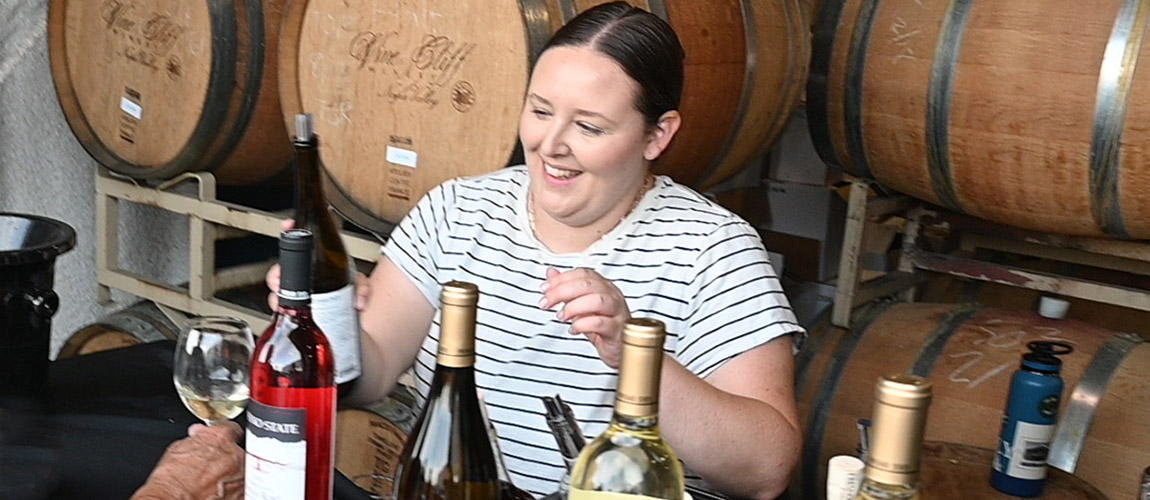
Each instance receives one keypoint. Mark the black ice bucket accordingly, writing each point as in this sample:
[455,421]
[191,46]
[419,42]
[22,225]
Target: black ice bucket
[29,245]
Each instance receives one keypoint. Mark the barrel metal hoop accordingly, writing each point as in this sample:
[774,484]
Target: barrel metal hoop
[855,80]
[659,8]
[940,98]
[537,21]
[940,337]
[567,10]
[221,86]
[1115,80]
[812,346]
[1074,424]
[818,89]
[252,83]
[820,413]
[797,24]
[751,41]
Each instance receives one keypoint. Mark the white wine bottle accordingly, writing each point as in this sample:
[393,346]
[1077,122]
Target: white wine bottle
[448,456]
[631,459]
[898,424]
[333,286]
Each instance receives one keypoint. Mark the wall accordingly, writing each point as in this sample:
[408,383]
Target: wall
[44,171]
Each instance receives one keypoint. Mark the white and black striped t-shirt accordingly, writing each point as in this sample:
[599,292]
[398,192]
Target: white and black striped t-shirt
[677,257]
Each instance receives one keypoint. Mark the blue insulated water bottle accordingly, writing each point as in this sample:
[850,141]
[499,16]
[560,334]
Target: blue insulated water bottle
[1028,425]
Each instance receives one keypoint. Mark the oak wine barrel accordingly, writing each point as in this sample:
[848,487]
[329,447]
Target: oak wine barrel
[952,471]
[136,324]
[369,440]
[153,89]
[969,352]
[1025,113]
[409,94]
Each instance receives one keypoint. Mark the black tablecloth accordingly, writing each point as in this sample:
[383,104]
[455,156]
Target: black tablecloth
[97,434]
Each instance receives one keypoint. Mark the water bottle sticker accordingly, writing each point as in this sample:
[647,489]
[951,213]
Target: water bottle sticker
[1028,451]
[336,316]
[275,467]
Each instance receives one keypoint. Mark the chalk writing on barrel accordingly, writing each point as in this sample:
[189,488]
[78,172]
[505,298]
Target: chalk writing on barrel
[999,336]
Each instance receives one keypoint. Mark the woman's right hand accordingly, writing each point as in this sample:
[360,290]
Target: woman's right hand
[362,284]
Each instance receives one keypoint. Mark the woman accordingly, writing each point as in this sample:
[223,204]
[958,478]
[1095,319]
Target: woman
[567,247]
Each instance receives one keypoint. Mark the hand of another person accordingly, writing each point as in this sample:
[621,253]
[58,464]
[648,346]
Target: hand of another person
[362,284]
[208,464]
[595,307]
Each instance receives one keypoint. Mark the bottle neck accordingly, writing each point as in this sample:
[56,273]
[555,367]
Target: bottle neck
[897,431]
[637,396]
[457,337]
[874,490]
[309,197]
[633,423]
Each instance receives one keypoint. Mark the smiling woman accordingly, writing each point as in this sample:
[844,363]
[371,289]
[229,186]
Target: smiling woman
[410,94]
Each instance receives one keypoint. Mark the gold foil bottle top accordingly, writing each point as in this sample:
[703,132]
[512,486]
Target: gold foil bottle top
[644,332]
[640,368]
[457,326]
[459,293]
[899,423]
[904,390]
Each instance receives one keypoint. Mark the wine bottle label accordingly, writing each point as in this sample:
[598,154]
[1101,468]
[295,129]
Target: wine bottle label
[581,494]
[276,446]
[335,314]
[1024,457]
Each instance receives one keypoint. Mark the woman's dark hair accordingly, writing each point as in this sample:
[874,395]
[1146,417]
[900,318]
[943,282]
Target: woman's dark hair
[644,45]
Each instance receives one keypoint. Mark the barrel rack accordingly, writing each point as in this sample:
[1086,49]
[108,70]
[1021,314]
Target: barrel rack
[865,212]
[210,220]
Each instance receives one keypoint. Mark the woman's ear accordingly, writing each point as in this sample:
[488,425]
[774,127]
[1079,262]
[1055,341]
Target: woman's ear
[660,136]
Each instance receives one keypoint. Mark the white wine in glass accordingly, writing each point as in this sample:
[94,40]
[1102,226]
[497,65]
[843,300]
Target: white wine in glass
[212,367]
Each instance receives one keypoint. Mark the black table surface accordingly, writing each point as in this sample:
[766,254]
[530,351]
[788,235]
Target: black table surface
[100,430]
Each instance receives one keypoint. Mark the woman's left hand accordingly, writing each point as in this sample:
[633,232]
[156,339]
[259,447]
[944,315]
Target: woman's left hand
[595,307]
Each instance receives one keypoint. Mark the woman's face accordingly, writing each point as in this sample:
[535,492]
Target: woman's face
[587,147]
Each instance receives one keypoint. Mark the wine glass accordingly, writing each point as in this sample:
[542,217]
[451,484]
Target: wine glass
[212,367]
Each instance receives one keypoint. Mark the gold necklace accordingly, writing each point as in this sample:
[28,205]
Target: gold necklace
[648,183]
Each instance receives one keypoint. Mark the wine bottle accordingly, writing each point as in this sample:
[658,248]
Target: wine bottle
[507,488]
[631,458]
[449,454]
[898,425]
[291,416]
[333,275]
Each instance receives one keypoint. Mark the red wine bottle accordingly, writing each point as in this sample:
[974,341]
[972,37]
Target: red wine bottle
[333,275]
[448,456]
[290,441]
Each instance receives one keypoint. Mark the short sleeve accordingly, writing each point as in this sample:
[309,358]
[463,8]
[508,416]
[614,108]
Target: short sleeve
[413,244]
[738,301]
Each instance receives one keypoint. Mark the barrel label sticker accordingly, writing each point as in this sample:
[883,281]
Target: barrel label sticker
[132,113]
[400,156]
[134,110]
[422,70]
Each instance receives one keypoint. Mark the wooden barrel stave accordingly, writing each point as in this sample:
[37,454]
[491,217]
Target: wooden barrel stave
[136,324]
[733,109]
[153,90]
[974,351]
[941,101]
